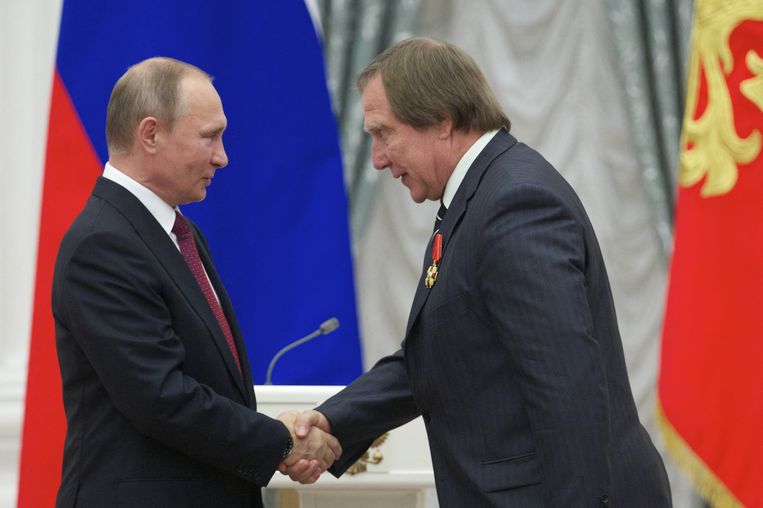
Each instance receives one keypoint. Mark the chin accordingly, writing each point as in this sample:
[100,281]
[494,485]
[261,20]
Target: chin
[199,197]
[417,198]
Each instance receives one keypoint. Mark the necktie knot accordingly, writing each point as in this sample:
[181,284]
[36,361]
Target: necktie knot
[442,211]
[440,215]
[181,228]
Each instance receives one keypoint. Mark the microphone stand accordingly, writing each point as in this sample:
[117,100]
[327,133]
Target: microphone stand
[326,327]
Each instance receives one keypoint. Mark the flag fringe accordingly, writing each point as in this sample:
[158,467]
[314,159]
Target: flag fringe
[706,483]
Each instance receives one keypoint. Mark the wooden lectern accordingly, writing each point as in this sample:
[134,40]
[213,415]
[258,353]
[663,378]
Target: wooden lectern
[395,474]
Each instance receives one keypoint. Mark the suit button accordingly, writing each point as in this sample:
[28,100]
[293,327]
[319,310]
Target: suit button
[604,500]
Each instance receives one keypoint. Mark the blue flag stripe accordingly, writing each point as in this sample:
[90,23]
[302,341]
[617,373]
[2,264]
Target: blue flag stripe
[276,217]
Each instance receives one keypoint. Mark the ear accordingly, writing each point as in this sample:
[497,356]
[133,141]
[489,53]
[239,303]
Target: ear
[148,134]
[445,128]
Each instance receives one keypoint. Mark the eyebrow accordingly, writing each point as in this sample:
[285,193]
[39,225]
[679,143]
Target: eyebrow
[213,131]
[374,127]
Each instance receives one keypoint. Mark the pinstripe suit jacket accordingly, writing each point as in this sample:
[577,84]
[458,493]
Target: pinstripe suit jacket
[514,357]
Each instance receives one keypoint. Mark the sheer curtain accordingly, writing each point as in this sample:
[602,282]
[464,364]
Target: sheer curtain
[651,41]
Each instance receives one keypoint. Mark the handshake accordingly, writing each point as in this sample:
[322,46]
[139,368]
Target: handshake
[314,450]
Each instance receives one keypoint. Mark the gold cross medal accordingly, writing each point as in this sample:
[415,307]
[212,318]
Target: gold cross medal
[431,277]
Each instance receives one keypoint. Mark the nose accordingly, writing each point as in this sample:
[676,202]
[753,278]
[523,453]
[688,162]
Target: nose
[219,157]
[379,155]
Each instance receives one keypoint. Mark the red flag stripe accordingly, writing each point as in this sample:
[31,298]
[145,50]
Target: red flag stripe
[71,168]
[711,376]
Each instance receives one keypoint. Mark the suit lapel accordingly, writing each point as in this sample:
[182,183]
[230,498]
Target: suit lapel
[227,306]
[422,292]
[168,255]
[501,142]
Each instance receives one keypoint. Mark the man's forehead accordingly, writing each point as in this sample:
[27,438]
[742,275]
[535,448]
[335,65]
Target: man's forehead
[373,114]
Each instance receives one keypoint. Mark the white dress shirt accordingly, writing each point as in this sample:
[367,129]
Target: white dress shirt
[161,211]
[454,182]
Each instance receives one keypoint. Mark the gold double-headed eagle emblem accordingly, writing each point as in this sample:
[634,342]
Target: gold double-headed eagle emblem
[710,146]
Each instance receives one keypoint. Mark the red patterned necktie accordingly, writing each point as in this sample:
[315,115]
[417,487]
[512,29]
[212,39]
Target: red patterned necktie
[187,243]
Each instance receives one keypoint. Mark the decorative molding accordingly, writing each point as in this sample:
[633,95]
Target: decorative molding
[369,457]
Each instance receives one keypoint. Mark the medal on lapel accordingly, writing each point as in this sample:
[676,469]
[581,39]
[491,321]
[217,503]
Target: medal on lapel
[431,277]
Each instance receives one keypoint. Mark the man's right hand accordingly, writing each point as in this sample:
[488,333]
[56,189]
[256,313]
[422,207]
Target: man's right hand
[314,450]
[306,420]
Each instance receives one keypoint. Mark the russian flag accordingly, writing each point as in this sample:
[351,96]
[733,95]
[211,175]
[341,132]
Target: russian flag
[275,218]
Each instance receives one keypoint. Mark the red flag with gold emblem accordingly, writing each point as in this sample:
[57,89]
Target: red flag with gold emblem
[711,378]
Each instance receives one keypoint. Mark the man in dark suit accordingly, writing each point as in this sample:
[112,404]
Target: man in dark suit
[512,353]
[157,387]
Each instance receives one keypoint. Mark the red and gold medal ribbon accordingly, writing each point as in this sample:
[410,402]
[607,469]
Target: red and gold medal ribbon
[431,277]
[437,248]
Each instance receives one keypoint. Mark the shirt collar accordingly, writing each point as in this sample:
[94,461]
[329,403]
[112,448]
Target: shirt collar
[161,211]
[454,182]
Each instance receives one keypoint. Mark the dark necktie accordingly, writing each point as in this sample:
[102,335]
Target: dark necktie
[187,243]
[440,215]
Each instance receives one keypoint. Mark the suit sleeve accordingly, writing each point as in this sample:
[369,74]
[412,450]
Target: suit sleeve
[532,278]
[378,401]
[112,302]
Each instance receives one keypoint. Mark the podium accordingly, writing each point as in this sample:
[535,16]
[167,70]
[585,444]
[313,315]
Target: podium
[397,473]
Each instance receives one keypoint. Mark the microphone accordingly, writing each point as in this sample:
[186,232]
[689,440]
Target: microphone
[327,326]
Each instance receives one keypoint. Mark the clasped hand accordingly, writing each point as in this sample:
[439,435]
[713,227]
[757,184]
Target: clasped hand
[315,449]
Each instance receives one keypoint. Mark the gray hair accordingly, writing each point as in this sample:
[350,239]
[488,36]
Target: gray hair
[427,81]
[149,88]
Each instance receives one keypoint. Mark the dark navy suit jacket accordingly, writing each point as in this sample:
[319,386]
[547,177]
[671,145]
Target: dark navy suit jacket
[157,412]
[513,358]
